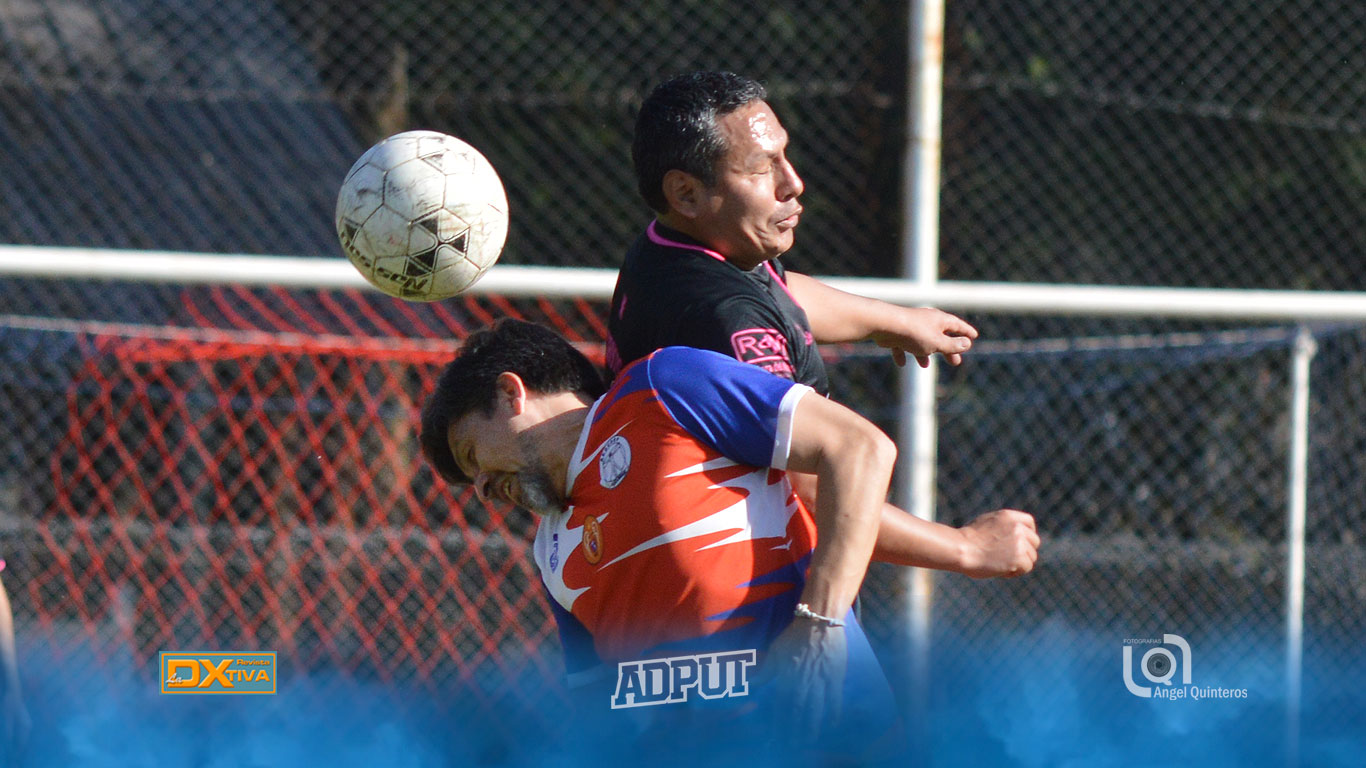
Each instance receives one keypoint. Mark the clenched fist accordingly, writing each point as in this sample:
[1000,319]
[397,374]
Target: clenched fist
[1001,543]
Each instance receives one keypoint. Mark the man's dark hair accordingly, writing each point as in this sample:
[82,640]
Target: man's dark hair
[546,363]
[676,128]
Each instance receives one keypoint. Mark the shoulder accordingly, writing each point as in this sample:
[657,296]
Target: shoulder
[678,362]
[667,366]
[742,411]
[694,377]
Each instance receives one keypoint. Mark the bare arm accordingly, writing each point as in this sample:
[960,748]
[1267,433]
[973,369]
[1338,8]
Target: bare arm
[852,461]
[1001,543]
[837,316]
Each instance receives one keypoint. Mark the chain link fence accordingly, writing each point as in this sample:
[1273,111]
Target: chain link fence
[194,485]
[1214,144]
[1149,143]
[232,467]
[138,109]
[1158,465]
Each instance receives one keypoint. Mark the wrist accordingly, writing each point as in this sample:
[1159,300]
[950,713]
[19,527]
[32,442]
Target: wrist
[803,611]
[970,556]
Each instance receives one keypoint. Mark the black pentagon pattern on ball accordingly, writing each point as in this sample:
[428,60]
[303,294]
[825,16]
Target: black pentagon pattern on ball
[461,242]
[457,237]
[348,234]
[421,263]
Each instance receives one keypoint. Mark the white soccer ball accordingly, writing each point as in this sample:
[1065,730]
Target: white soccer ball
[422,215]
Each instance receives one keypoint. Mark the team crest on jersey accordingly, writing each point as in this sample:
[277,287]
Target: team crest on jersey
[614,461]
[764,347]
[592,540]
[757,346]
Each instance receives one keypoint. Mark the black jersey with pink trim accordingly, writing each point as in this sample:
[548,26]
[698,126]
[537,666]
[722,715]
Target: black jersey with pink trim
[674,291]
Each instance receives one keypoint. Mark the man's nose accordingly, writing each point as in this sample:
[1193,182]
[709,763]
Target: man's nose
[790,185]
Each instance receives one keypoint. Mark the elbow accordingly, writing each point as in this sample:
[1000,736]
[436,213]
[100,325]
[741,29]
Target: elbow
[884,452]
[874,450]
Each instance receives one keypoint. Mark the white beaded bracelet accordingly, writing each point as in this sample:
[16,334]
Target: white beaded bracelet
[804,612]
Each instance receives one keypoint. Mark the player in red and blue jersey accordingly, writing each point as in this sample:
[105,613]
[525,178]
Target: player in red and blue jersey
[669,529]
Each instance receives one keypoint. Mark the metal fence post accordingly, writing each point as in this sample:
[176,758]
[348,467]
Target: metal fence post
[1298,474]
[920,253]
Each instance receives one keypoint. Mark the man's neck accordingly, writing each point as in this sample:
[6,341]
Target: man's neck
[684,226]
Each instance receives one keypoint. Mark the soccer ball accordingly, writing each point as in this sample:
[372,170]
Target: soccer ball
[422,215]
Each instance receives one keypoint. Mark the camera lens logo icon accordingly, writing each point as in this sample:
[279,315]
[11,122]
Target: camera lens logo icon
[1158,665]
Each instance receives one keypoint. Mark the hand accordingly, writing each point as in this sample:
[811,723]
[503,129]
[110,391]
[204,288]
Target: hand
[922,332]
[1000,543]
[806,663]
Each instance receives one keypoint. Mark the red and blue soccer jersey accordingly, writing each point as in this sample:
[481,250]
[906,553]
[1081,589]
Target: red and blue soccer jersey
[682,534]
[682,531]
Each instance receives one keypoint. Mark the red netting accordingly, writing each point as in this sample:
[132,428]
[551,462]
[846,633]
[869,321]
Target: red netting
[263,489]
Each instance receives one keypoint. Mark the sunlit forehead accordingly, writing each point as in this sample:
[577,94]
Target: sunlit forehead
[768,136]
[755,137]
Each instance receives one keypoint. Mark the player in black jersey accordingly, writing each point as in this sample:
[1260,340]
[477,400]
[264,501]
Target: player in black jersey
[710,160]
[675,291]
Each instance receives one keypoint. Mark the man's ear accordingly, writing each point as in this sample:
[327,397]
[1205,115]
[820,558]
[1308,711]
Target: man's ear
[684,192]
[508,389]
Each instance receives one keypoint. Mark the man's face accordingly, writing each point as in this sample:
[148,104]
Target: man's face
[503,462]
[750,213]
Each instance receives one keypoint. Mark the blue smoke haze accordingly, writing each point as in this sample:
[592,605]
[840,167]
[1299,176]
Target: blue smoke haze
[1053,697]
[1056,697]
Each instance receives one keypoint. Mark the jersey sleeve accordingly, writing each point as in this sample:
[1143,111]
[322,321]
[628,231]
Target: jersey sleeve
[743,328]
[739,410]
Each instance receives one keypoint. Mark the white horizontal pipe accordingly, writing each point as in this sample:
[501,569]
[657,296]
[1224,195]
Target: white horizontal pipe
[561,282]
[289,271]
[1116,301]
